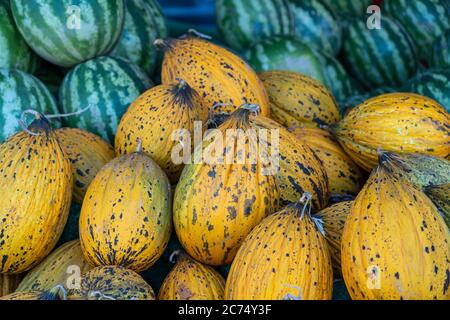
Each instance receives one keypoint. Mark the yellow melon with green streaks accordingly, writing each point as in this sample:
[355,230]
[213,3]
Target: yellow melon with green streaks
[284,257]
[398,122]
[126,215]
[300,168]
[217,74]
[333,218]
[36,186]
[60,267]
[155,117]
[296,99]
[344,176]
[87,153]
[440,195]
[421,170]
[192,280]
[112,283]
[395,245]
[220,198]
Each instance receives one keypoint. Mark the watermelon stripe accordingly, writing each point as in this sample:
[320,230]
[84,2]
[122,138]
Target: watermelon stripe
[14,52]
[43,24]
[379,57]
[348,8]
[434,83]
[144,23]
[20,91]
[424,20]
[243,23]
[440,57]
[316,25]
[109,85]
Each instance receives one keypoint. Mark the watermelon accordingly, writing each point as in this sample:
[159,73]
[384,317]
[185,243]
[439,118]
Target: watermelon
[316,25]
[52,76]
[341,84]
[243,23]
[108,85]
[348,8]
[289,53]
[440,55]
[67,32]
[424,20]
[14,51]
[144,23]
[286,53]
[379,57]
[20,91]
[433,83]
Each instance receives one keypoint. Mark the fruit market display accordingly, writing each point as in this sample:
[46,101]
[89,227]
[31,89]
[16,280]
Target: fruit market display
[302,154]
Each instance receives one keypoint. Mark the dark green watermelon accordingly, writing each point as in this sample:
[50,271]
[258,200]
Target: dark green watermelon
[348,8]
[108,85]
[351,102]
[14,52]
[424,20]
[144,23]
[316,25]
[286,53]
[243,23]
[20,91]
[289,53]
[433,83]
[440,55]
[67,32]
[379,57]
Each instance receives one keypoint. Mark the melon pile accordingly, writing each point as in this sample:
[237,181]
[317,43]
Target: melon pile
[290,156]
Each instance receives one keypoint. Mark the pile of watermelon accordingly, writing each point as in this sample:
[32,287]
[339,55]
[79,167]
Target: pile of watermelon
[98,56]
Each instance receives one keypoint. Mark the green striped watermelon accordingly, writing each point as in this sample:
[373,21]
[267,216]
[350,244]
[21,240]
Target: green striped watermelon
[106,84]
[424,20]
[14,52]
[317,26]
[144,23]
[433,83]
[289,53]
[243,23]
[379,57]
[341,84]
[440,55]
[349,8]
[52,30]
[20,91]
[286,53]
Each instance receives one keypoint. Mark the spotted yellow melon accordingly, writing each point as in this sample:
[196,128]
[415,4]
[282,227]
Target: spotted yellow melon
[398,122]
[36,186]
[155,117]
[284,257]
[87,153]
[192,280]
[395,245]
[126,216]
